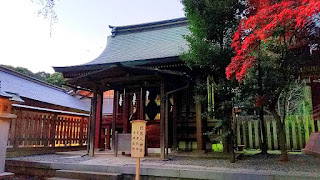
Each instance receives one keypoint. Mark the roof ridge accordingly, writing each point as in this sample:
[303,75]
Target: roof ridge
[26,77]
[117,30]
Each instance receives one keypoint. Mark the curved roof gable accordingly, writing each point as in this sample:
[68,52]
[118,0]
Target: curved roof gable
[144,41]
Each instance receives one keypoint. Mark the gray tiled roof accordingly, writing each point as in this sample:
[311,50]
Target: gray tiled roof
[31,88]
[144,41]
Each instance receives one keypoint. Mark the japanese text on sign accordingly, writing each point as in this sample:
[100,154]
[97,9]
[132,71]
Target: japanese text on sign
[138,136]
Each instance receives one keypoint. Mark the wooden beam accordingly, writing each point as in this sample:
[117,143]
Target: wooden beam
[114,119]
[130,79]
[92,124]
[162,120]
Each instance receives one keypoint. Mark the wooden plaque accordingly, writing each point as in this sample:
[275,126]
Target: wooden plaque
[138,138]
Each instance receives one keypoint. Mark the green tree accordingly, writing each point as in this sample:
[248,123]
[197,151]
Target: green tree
[55,79]
[212,23]
[21,70]
[280,37]
[42,75]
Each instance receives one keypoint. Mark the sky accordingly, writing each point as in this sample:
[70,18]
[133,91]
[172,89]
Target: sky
[79,35]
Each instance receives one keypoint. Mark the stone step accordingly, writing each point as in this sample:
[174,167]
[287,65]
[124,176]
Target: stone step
[6,175]
[88,175]
[59,178]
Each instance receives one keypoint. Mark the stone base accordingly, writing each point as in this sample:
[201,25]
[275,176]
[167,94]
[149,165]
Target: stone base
[6,175]
[313,145]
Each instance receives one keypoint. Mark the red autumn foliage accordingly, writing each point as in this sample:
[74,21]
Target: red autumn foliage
[264,18]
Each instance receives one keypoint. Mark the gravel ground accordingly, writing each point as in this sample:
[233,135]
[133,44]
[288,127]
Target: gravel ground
[301,163]
[25,177]
[53,158]
[297,163]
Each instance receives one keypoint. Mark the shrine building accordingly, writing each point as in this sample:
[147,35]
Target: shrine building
[141,64]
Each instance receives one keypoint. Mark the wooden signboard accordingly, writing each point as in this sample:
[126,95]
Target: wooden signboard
[138,140]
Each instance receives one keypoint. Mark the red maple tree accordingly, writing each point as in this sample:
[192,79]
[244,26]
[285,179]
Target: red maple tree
[265,17]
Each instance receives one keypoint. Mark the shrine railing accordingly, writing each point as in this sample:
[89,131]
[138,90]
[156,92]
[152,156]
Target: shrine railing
[297,129]
[39,127]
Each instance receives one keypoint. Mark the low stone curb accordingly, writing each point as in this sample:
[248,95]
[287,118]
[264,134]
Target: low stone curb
[174,172]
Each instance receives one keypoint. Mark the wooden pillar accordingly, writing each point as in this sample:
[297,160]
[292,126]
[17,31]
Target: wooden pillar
[114,119]
[315,100]
[108,137]
[199,124]
[98,120]
[141,104]
[125,112]
[93,116]
[166,140]
[174,123]
[162,120]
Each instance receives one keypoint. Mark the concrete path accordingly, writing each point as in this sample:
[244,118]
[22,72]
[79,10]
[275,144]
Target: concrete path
[152,168]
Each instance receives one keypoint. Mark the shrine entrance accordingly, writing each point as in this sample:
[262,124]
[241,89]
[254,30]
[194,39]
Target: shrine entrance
[134,105]
[139,93]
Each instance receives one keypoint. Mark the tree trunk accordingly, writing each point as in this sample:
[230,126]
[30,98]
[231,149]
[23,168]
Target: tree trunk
[281,133]
[230,141]
[232,157]
[264,146]
[230,137]
[225,142]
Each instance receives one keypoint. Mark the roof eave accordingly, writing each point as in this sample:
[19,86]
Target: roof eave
[89,67]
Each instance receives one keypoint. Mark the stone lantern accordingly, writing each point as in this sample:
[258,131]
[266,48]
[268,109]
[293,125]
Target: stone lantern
[5,117]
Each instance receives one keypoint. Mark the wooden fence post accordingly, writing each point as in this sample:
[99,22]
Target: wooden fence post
[238,131]
[17,129]
[81,133]
[256,133]
[306,128]
[52,138]
[294,135]
[244,131]
[46,129]
[299,132]
[311,123]
[275,135]
[269,138]
[250,134]
[287,123]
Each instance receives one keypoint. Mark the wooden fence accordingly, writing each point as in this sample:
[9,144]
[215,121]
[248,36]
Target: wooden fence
[38,128]
[298,129]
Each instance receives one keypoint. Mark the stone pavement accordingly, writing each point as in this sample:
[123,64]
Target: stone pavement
[153,167]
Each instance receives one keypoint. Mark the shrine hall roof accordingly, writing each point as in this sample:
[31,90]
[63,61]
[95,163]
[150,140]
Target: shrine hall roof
[31,88]
[148,41]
